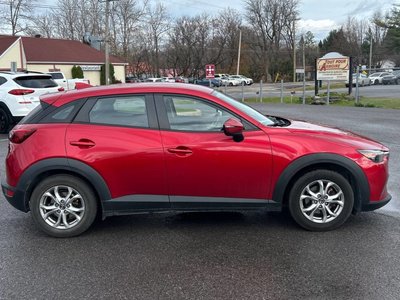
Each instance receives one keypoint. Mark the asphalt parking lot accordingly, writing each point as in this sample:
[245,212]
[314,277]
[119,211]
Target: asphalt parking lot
[216,255]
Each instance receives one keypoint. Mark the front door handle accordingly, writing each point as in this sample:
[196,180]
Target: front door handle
[83,143]
[180,151]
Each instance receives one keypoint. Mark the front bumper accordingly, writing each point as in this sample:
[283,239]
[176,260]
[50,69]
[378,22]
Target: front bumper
[376,204]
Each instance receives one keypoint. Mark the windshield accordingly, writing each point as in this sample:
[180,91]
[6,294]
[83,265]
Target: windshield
[244,108]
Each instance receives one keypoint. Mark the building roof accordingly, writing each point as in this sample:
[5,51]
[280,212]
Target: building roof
[5,42]
[57,51]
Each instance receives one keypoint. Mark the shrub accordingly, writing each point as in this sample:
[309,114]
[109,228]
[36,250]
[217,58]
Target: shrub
[77,72]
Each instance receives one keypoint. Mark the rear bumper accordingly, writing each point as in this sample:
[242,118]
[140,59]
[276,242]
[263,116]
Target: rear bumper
[15,197]
[376,204]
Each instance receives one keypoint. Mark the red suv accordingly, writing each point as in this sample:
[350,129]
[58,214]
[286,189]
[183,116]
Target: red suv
[142,148]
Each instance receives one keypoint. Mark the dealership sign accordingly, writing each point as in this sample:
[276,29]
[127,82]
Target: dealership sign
[333,66]
[91,68]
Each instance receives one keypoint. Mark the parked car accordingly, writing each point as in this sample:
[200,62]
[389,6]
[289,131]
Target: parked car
[376,78]
[206,82]
[181,79]
[390,79]
[67,84]
[19,94]
[243,79]
[193,149]
[363,80]
[154,79]
[132,79]
[168,79]
[227,80]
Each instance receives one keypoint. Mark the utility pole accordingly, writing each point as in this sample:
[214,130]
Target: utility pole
[240,45]
[294,49]
[370,54]
[106,41]
[107,50]
[304,69]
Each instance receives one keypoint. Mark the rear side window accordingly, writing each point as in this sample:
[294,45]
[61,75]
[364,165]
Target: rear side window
[36,114]
[63,114]
[123,111]
[36,82]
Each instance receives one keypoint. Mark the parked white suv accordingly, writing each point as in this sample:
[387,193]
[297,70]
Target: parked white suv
[19,94]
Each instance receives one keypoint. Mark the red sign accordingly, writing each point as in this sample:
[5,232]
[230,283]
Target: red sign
[210,71]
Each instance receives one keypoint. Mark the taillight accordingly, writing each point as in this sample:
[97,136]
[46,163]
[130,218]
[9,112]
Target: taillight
[21,92]
[17,136]
[61,89]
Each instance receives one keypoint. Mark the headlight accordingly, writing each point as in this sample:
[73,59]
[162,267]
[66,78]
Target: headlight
[376,156]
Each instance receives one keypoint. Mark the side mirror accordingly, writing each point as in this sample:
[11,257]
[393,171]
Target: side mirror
[234,128]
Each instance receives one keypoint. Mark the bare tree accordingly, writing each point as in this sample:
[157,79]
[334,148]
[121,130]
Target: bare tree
[272,23]
[158,21]
[225,40]
[43,25]
[17,13]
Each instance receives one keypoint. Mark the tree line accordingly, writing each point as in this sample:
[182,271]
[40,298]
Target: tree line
[145,35]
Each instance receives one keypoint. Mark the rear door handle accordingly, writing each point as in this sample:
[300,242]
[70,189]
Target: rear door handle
[83,143]
[180,151]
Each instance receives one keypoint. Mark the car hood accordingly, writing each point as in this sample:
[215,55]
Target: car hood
[333,134]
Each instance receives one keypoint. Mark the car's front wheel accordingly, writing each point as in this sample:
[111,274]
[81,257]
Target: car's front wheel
[321,200]
[63,206]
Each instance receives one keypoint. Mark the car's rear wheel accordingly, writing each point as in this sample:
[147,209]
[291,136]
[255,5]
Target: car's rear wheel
[63,206]
[321,200]
[376,81]
[5,121]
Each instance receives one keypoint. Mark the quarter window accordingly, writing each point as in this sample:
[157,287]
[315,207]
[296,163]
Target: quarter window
[190,114]
[124,111]
[2,80]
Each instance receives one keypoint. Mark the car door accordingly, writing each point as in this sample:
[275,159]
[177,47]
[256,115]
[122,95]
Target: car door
[118,136]
[205,168]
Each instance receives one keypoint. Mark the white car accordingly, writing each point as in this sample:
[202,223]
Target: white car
[19,94]
[363,80]
[376,78]
[247,81]
[169,79]
[67,84]
[228,80]
[155,80]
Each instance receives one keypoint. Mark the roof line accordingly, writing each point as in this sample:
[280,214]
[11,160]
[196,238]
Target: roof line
[12,45]
[70,62]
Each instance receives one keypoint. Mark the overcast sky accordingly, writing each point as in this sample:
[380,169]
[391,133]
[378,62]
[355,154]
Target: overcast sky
[317,16]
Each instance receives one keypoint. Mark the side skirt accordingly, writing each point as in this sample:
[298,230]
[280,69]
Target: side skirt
[142,204]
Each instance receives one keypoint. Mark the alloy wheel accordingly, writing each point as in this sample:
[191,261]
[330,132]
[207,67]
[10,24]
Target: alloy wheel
[62,207]
[322,201]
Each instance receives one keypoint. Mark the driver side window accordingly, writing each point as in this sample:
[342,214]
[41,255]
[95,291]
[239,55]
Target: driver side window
[188,114]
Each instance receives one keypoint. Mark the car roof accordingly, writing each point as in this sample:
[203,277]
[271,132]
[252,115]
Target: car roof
[21,74]
[126,88]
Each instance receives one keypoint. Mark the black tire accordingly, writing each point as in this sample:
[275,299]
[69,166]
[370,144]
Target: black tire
[230,84]
[311,180]
[376,82]
[87,201]
[5,121]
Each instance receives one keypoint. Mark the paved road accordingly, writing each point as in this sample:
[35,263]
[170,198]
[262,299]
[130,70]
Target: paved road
[215,255]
